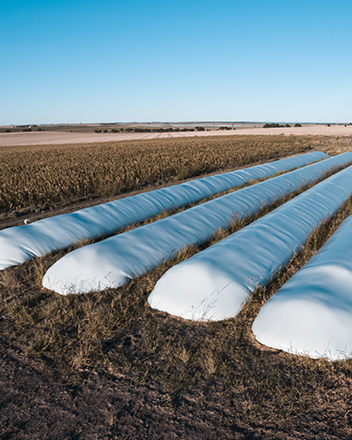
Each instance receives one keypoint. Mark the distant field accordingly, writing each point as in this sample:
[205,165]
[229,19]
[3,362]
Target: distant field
[86,133]
[106,365]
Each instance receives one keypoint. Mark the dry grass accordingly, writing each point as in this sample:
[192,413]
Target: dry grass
[258,391]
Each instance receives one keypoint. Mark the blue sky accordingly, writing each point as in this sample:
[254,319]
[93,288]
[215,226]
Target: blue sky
[195,60]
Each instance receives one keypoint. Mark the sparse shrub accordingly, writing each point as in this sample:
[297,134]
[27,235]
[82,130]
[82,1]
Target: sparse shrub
[298,125]
[97,131]
[142,130]
[273,126]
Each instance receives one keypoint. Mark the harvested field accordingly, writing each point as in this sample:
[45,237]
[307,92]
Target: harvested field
[63,137]
[105,365]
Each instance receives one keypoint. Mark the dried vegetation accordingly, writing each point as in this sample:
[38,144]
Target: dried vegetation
[36,177]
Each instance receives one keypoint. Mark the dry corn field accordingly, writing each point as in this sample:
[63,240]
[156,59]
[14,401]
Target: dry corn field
[107,366]
[35,176]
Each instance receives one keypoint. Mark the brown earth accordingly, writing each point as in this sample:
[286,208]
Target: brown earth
[52,137]
[102,404]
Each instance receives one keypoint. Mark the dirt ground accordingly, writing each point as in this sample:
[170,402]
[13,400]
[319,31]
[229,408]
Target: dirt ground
[102,404]
[52,137]
[97,405]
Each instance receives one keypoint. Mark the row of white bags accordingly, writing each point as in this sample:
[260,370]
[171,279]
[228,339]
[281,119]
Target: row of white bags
[20,244]
[116,260]
[217,282]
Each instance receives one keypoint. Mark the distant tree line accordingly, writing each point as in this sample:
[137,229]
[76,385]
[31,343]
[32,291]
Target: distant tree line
[156,130]
[24,128]
[279,125]
[147,130]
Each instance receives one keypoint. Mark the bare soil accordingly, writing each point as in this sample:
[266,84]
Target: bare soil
[97,404]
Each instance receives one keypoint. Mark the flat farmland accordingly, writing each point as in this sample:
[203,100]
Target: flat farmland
[85,134]
[106,365]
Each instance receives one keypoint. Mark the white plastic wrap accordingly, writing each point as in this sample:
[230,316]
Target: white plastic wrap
[22,243]
[217,282]
[312,313]
[116,260]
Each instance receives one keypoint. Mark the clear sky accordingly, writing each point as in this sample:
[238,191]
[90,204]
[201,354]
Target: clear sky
[166,60]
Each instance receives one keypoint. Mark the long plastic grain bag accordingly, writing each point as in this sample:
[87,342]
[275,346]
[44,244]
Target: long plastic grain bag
[116,260]
[312,313]
[22,243]
[217,282]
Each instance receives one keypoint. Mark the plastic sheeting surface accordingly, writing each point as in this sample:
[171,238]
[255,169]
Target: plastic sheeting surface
[22,243]
[312,313]
[116,260]
[217,282]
